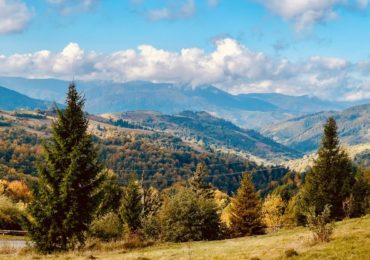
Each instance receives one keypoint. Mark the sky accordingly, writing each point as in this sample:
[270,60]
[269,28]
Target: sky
[296,47]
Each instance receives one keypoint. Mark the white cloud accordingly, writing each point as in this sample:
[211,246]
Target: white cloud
[14,16]
[231,66]
[215,2]
[178,10]
[67,7]
[306,13]
[362,4]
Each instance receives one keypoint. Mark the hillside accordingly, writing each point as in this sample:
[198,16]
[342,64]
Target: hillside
[11,100]
[350,241]
[303,133]
[360,154]
[245,110]
[210,131]
[160,156]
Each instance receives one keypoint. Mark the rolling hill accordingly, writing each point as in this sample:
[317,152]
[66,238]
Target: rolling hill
[304,133]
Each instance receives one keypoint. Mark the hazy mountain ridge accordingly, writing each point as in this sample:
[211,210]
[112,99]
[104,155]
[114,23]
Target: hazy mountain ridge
[245,110]
[304,133]
[11,100]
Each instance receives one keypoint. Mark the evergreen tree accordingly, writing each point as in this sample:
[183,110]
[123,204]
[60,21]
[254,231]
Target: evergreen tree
[131,206]
[330,180]
[65,201]
[245,211]
[197,182]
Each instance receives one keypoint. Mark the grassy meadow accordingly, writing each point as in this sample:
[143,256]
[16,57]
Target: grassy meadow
[351,240]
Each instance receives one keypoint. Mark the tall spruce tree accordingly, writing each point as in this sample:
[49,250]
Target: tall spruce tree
[245,213]
[65,201]
[132,206]
[198,184]
[330,180]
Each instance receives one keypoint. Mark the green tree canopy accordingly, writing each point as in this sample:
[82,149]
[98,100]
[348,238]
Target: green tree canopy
[65,202]
[330,180]
[132,206]
[198,184]
[187,217]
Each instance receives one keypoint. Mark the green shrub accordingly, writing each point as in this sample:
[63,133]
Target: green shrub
[10,214]
[320,224]
[187,217]
[108,227]
[150,227]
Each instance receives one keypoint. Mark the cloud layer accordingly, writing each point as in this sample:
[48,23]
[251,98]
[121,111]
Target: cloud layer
[230,66]
[14,16]
[306,13]
[67,7]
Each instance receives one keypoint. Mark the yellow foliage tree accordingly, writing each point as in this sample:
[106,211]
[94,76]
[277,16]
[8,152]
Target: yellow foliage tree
[19,191]
[273,211]
[3,186]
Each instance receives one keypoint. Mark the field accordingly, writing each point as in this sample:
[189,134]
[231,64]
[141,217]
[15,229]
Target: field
[351,240]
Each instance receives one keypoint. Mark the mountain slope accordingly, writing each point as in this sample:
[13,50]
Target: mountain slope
[11,100]
[210,131]
[304,133]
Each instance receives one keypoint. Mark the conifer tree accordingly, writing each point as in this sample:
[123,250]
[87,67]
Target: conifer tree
[330,180]
[64,204]
[197,182]
[131,206]
[245,211]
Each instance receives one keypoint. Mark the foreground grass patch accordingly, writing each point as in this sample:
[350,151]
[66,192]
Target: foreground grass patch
[351,240]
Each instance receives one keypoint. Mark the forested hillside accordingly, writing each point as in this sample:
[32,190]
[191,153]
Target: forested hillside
[162,158]
[210,131]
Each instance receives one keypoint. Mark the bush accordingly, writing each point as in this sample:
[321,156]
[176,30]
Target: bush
[150,227]
[290,253]
[10,214]
[187,217]
[108,227]
[320,224]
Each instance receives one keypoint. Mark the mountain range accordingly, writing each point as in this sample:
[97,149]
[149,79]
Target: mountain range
[304,133]
[287,139]
[245,110]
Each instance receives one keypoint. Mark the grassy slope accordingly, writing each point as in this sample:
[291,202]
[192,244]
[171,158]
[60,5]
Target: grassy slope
[351,240]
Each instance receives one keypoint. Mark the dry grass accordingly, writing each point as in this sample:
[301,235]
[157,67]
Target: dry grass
[7,249]
[351,240]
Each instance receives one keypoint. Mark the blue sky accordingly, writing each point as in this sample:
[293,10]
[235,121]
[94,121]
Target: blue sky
[326,39]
